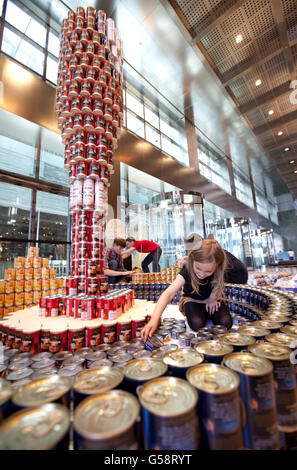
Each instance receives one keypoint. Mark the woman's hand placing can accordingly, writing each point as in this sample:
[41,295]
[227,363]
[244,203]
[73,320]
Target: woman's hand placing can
[149,329]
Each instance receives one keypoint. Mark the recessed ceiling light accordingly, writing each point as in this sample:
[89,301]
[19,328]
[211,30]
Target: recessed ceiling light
[258,82]
[270,112]
[238,38]
[292,161]
[287,149]
[295,171]
[280,133]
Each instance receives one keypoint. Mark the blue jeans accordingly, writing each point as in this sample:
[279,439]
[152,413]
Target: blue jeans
[114,265]
[152,257]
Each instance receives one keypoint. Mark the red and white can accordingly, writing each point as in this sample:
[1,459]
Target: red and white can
[108,128]
[102,155]
[96,250]
[79,137]
[78,73]
[86,104]
[91,138]
[103,282]
[79,49]
[92,335]
[89,194]
[96,38]
[124,331]
[79,152]
[72,172]
[101,77]
[92,286]
[86,87]
[89,122]
[69,306]
[99,307]
[69,125]
[99,124]
[66,108]
[96,63]
[73,62]
[90,23]
[137,325]
[108,332]
[76,339]
[90,50]
[91,74]
[81,285]
[83,250]
[52,307]
[107,111]
[58,340]
[78,306]
[97,90]
[84,36]
[42,307]
[81,169]
[102,140]
[30,340]
[79,23]
[107,94]
[88,311]
[93,170]
[84,234]
[81,268]
[101,52]
[91,152]
[98,108]
[78,121]
[71,287]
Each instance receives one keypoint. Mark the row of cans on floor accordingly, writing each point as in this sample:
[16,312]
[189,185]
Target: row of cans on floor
[74,305]
[246,296]
[107,307]
[178,414]
[58,339]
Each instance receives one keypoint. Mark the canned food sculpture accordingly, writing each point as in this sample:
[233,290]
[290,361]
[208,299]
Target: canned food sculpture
[89,106]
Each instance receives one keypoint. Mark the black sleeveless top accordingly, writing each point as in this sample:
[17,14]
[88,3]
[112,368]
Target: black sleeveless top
[205,286]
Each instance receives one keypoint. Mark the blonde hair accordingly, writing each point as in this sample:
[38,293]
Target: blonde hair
[209,252]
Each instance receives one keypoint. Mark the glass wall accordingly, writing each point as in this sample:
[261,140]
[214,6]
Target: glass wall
[52,159]
[28,216]
[213,165]
[154,119]
[18,144]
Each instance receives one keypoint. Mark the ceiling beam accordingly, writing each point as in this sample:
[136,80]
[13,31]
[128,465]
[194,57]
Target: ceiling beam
[245,67]
[276,123]
[217,21]
[283,143]
[282,30]
[266,98]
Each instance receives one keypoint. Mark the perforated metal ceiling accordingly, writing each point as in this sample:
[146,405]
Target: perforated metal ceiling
[268,51]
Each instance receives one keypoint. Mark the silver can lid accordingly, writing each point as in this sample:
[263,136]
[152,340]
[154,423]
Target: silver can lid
[41,356]
[20,374]
[248,364]
[213,378]
[183,358]
[5,391]
[44,364]
[145,369]
[168,396]
[107,415]
[41,391]
[94,381]
[35,428]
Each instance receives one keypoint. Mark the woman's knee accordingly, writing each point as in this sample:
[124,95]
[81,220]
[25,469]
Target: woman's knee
[195,317]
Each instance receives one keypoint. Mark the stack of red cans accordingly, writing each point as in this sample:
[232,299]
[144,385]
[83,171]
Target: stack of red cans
[89,105]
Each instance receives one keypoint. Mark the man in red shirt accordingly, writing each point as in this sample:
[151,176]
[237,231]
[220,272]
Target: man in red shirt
[144,246]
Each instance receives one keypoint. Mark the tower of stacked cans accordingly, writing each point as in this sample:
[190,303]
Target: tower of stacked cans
[89,108]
